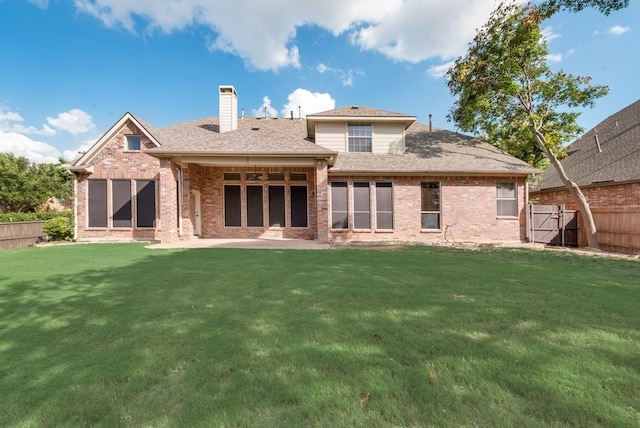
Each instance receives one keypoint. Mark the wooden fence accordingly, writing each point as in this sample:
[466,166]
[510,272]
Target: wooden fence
[20,234]
[618,229]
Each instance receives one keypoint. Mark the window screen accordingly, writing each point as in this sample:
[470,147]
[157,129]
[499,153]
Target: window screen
[276,206]
[430,206]
[232,206]
[254,206]
[361,206]
[506,199]
[339,206]
[97,190]
[121,202]
[299,206]
[384,206]
[145,203]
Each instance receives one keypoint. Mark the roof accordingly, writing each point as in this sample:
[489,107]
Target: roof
[435,152]
[354,113]
[428,151]
[273,136]
[607,154]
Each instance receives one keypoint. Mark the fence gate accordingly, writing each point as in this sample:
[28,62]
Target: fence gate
[552,224]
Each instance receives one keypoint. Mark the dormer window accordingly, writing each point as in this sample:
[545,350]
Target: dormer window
[360,137]
[132,143]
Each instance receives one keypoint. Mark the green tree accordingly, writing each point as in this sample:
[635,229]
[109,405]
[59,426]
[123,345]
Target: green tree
[604,6]
[505,90]
[24,186]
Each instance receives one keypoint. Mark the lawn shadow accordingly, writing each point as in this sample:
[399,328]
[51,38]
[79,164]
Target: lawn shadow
[227,336]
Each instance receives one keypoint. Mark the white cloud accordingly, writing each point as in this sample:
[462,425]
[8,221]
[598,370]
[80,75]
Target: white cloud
[22,145]
[346,76]
[548,34]
[70,155]
[74,121]
[8,123]
[309,103]
[439,70]
[265,109]
[618,30]
[264,33]
[554,57]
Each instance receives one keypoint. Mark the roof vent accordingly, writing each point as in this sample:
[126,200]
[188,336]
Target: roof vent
[354,107]
[255,128]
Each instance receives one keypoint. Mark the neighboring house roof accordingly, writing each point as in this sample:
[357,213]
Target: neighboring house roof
[434,151]
[607,154]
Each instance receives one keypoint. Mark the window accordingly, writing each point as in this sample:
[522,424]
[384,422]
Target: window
[254,206]
[339,206]
[132,143]
[298,206]
[232,206]
[430,206]
[359,137]
[298,176]
[276,206]
[361,206]
[97,195]
[145,203]
[506,199]
[232,176]
[121,202]
[384,206]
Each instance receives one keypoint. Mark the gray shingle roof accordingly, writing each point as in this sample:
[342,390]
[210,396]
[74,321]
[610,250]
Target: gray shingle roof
[617,161]
[357,111]
[435,152]
[254,135]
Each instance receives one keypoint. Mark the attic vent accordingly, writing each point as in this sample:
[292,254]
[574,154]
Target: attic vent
[255,128]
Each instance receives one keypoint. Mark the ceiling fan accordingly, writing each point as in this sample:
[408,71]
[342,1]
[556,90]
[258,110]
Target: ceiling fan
[255,175]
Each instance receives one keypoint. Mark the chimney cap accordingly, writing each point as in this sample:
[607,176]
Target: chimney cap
[227,89]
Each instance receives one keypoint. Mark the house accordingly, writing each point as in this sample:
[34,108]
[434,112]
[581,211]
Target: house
[605,163]
[349,174]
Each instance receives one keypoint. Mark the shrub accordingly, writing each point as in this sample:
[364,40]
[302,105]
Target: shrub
[59,229]
[34,216]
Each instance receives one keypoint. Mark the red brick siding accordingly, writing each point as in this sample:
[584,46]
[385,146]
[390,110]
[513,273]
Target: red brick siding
[622,195]
[468,212]
[113,162]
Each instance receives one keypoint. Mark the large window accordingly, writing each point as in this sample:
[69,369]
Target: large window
[360,137]
[121,202]
[298,206]
[361,206]
[97,194]
[339,205]
[254,206]
[506,199]
[352,202]
[430,206]
[145,203]
[276,206]
[384,206]
[232,206]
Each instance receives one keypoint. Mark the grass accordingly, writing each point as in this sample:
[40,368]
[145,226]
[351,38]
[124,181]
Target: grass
[118,335]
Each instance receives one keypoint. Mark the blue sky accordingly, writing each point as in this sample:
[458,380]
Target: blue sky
[70,69]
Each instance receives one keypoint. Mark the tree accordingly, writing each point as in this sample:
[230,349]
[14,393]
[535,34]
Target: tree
[604,6]
[24,186]
[506,90]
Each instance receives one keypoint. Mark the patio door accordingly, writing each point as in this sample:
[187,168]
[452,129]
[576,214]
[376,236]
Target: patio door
[196,206]
[276,206]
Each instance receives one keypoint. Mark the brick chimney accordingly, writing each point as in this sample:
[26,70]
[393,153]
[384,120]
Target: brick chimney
[228,108]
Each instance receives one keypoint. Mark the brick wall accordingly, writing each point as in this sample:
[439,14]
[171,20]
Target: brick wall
[468,212]
[113,162]
[622,195]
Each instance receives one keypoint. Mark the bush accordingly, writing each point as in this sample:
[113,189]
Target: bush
[35,216]
[59,229]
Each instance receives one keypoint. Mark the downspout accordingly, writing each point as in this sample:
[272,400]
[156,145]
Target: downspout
[180,181]
[75,207]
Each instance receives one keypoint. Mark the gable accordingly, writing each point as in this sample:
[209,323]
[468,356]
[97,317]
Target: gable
[128,120]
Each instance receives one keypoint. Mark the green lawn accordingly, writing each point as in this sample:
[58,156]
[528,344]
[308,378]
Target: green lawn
[119,335]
